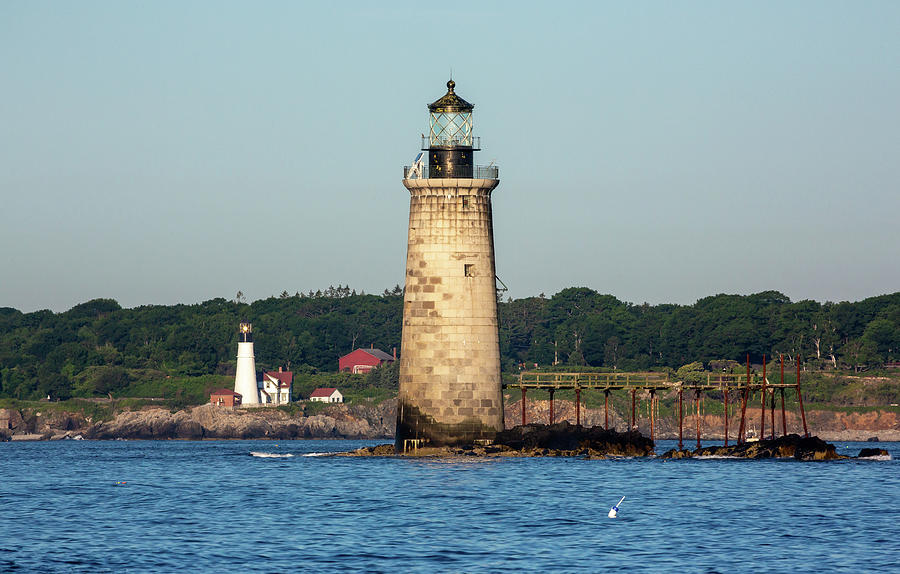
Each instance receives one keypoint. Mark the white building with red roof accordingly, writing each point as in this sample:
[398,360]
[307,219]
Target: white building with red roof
[326,395]
[275,387]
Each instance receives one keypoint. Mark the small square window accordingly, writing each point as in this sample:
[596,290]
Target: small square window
[470,269]
[465,201]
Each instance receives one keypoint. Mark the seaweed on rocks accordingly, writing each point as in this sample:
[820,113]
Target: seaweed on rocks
[789,446]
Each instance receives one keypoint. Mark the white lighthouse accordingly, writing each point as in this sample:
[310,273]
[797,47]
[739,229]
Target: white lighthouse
[245,377]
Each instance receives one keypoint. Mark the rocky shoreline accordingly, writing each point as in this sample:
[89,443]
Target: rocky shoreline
[206,422]
[565,440]
[373,421]
[537,440]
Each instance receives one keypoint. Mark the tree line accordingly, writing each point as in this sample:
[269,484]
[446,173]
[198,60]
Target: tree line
[98,347]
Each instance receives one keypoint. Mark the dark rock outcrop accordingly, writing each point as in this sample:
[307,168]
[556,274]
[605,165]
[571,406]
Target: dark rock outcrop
[790,446]
[567,438]
[873,453]
[561,439]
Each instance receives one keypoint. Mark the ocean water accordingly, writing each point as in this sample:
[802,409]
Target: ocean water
[209,506]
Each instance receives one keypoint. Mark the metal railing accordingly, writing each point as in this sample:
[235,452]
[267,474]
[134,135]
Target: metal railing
[478,172]
[472,141]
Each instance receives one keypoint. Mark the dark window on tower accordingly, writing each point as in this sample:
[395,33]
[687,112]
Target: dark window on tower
[470,270]
[465,201]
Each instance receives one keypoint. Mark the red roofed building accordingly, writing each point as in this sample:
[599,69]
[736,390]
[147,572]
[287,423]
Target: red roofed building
[364,360]
[225,398]
[276,387]
[326,395]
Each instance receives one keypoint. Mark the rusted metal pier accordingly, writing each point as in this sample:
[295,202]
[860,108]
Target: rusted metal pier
[742,384]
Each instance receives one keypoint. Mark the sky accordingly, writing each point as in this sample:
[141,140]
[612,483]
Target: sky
[176,151]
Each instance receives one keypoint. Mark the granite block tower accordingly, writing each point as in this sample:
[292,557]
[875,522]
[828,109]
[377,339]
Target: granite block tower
[450,391]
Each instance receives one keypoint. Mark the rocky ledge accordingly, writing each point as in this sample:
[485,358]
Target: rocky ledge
[561,439]
[790,446]
[209,422]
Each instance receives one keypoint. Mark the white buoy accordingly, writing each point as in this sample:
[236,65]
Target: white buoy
[614,511]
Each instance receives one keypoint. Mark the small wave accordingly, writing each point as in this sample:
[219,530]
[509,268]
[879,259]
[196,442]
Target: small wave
[877,457]
[318,454]
[717,457]
[270,454]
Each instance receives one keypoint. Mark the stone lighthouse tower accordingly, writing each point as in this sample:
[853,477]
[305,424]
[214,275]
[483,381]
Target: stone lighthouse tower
[245,374]
[450,389]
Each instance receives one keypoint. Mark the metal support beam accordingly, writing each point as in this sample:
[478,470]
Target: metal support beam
[783,417]
[523,406]
[773,414]
[578,407]
[551,405]
[606,410]
[800,399]
[762,403]
[697,393]
[726,416]
[633,426]
[744,397]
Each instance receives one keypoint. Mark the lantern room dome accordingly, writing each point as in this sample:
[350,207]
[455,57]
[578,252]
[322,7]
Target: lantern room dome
[450,102]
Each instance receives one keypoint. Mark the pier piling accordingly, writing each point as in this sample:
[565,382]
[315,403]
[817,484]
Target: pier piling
[578,407]
[551,405]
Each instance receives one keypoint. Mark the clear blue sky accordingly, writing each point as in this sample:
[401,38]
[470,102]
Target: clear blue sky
[173,152]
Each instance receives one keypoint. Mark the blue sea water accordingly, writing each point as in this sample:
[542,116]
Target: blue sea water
[208,506]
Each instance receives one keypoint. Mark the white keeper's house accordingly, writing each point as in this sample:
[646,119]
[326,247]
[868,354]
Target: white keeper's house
[275,387]
[327,395]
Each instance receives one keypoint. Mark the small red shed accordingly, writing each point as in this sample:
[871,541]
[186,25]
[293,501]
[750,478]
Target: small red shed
[225,398]
[364,360]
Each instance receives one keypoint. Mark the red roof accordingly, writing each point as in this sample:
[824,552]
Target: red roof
[378,354]
[324,392]
[366,357]
[224,392]
[284,377]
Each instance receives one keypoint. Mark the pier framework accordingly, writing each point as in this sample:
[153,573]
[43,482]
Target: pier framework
[738,385]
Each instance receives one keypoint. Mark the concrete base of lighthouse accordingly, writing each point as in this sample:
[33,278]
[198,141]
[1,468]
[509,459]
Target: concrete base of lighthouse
[450,389]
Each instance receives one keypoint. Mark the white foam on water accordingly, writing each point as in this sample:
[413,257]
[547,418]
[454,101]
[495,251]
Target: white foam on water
[876,457]
[318,454]
[717,457]
[270,454]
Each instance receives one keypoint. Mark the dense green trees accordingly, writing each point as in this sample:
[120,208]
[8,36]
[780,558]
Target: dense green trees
[98,347]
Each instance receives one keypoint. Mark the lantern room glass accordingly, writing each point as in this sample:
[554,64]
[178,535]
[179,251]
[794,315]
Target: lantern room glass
[451,129]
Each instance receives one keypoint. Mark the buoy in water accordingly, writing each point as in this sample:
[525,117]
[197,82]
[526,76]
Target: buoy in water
[614,511]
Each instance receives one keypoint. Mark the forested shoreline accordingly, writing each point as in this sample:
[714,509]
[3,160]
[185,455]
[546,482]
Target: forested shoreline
[99,348]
